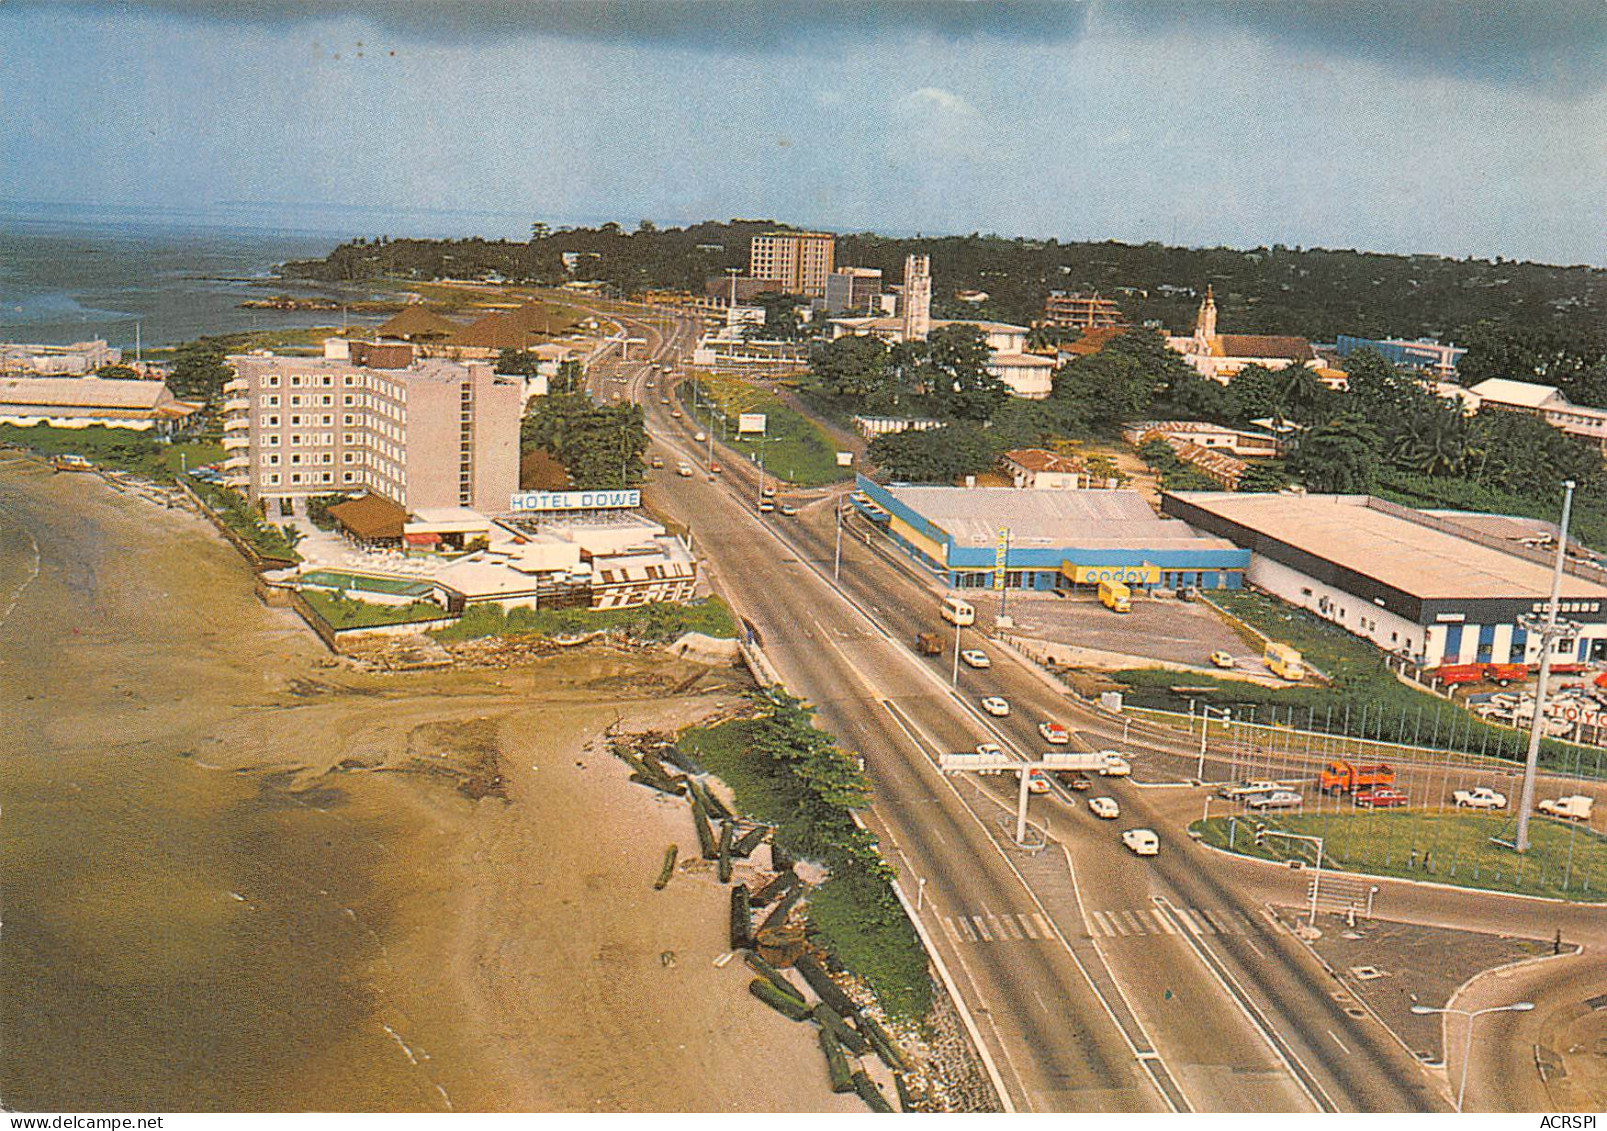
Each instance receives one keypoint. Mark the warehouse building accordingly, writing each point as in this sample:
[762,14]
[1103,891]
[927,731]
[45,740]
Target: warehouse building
[1050,540]
[1436,588]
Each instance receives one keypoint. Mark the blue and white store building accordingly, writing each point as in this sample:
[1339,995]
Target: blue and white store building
[1047,540]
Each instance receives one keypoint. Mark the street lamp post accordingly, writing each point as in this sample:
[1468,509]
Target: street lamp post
[1549,630]
[954,680]
[837,553]
[1316,879]
[1205,730]
[1471,1015]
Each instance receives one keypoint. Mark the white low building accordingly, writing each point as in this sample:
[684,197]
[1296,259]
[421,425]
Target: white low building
[1437,588]
[80,402]
[73,360]
[1546,402]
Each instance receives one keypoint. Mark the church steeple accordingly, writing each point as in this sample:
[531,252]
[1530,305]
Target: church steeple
[1205,321]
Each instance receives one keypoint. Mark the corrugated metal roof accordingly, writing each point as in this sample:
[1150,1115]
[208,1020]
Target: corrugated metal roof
[1086,519]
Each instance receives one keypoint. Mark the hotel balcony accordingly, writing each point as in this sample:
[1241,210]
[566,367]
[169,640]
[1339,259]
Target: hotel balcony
[237,385]
[237,424]
[237,404]
[237,481]
[234,441]
[237,463]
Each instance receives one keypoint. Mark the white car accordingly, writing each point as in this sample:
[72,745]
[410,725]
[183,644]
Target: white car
[1277,799]
[976,658]
[989,749]
[684,471]
[1142,842]
[1113,765]
[1054,734]
[1104,807]
[700,437]
[1481,798]
[996,706]
[1037,783]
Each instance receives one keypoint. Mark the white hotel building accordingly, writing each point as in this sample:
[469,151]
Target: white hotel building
[368,417]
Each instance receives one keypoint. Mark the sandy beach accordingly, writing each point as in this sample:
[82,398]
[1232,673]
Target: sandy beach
[241,874]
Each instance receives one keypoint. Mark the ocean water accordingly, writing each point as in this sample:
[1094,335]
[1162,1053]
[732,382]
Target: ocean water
[68,276]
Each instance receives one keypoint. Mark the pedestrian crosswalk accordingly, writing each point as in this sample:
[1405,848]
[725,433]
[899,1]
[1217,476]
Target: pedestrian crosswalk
[992,927]
[1140,921]
[1137,922]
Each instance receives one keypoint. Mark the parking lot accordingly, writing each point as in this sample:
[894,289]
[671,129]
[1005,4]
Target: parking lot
[1158,628]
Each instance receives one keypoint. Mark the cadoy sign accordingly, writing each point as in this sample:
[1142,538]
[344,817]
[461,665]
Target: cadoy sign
[526,501]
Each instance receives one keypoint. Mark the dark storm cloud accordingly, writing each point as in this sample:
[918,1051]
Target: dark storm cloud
[1556,46]
[719,25]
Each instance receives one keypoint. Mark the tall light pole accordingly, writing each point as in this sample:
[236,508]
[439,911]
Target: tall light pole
[954,680]
[1467,1049]
[1205,730]
[837,553]
[1548,632]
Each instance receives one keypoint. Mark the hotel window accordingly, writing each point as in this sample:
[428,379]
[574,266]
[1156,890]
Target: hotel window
[295,381]
[273,421]
[295,421]
[273,479]
[271,400]
[348,457]
[326,420]
[273,459]
[295,478]
[295,457]
[271,439]
[348,400]
[295,402]
[327,400]
[329,477]
[327,381]
[273,382]
[348,477]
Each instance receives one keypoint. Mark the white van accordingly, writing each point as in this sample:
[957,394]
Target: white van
[958,611]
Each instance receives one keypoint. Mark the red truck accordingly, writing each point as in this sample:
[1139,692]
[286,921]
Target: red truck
[1340,776]
[1499,674]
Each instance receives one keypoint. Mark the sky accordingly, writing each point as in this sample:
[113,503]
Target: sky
[1456,127]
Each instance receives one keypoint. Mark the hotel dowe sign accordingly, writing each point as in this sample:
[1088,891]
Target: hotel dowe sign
[1145,574]
[574,500]
[750,422]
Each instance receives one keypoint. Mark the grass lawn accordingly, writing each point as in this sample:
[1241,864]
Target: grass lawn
[1448,846]
[1359,682]
[118,449]
[246,520]
[795,448]
[656,623]
[849,914]
[349,612]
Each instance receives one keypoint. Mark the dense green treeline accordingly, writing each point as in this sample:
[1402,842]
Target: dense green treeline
[1315,292]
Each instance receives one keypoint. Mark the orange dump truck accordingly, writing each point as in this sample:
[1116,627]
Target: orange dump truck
[1347,777]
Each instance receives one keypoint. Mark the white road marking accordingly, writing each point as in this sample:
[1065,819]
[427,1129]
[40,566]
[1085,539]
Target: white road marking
[1042,1004]
[1215,923]
[1009,926]
[1163,921]
[981,928]
[1099,919]
[1043,925]
[1026,925]
[1338,1042]
[1132,921]
[948,925]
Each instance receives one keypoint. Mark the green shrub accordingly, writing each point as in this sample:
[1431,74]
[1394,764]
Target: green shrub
[786,773]
[656,623]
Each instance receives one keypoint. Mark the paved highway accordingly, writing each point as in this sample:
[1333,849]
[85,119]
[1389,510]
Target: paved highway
[1197,1044]
[1099,981]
